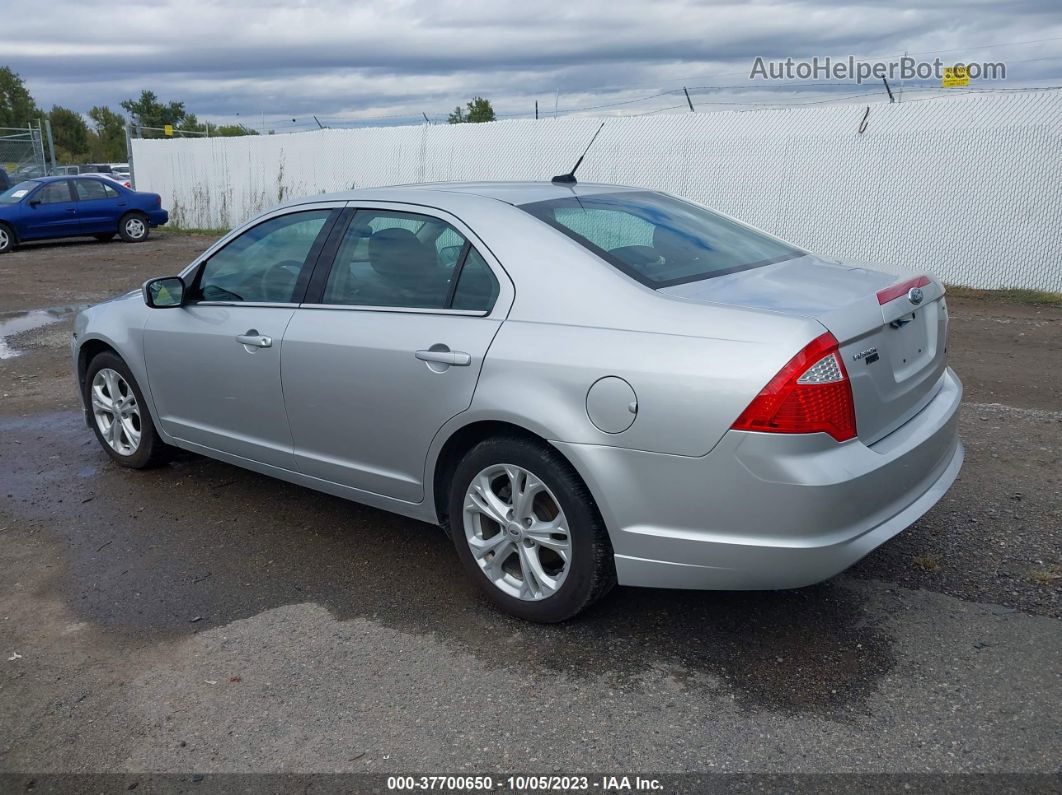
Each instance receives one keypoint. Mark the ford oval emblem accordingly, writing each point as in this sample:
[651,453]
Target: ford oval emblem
[915,295]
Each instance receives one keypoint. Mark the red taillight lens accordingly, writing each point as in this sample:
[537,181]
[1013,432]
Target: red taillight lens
[811,394]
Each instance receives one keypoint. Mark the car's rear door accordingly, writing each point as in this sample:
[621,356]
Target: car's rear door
[388,345]
[98,205]
[214,364]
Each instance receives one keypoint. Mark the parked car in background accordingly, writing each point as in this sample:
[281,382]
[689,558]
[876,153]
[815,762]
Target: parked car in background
[117,177]
[96,206]
[584,384]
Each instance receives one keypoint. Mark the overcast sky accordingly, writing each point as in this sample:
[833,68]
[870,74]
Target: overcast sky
[389,62]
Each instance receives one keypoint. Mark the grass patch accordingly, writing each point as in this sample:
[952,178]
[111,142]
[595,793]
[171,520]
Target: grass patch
[927,562]
[1013,295]
[1048,576]
[196,231]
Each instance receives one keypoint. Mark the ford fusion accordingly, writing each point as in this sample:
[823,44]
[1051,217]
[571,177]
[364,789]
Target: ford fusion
[583,384]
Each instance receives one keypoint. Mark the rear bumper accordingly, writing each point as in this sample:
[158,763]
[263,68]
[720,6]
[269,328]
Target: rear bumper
[158,217]
[766,511]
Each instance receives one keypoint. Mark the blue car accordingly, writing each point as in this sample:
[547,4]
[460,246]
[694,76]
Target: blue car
[50,207]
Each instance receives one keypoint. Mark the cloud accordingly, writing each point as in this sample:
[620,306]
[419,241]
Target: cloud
[349,60]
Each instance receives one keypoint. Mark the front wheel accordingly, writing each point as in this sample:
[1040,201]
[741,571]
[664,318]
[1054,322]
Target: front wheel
[120,417]
[134,228]
[7,239]
[528,531]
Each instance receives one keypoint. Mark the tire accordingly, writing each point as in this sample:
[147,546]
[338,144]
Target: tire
[134,228]
[104,237]
[588,572]
[148,450]
[7,238]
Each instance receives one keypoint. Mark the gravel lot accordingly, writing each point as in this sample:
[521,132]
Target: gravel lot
[205,618]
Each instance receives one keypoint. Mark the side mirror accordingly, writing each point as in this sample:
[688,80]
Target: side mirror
[34,202]
[164,293]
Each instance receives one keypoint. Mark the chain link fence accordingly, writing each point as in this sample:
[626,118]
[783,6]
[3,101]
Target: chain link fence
[966,188]
[22,152]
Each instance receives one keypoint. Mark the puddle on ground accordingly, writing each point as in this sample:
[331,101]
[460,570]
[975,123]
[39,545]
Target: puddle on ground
[13,323]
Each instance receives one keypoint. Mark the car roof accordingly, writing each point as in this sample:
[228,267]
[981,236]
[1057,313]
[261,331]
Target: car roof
[57,177]
[508,192]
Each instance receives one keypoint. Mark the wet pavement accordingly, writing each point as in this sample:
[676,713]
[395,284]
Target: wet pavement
[202,617]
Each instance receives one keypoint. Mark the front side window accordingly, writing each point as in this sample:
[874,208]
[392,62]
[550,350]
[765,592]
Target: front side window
[92,189]
[397,259]
[660,240]
[54,193]
[263,264]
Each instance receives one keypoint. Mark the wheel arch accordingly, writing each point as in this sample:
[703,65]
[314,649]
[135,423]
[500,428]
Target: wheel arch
[89,350]
[12,227]
[462,439]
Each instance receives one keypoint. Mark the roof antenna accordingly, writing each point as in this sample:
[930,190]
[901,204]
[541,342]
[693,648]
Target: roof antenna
[569,178]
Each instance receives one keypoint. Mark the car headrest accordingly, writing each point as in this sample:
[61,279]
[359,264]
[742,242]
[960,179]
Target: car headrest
[398,253]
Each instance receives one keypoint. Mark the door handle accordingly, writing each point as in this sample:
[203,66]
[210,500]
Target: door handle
[71,209]
[254,339]
[455,358]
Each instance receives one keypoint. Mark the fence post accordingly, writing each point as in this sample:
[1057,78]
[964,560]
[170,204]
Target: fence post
[129,154]
[51,142]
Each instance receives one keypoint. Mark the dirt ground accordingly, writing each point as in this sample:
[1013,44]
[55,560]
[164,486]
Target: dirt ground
[205,618]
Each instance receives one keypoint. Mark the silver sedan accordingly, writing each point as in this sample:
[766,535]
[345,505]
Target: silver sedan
[583,385]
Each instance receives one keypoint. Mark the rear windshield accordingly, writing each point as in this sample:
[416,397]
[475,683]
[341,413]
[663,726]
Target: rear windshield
[660,240]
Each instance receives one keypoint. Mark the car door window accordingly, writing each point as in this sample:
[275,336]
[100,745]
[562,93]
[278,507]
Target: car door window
[395,259]
[90,190]
[54,193]
[477,287]
[263,264]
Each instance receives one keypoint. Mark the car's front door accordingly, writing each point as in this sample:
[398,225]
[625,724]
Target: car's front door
[98,206]
[214,364]
[388,347]
[51,211]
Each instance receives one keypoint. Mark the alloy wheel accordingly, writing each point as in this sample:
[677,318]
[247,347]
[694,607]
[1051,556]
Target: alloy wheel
[517,532]
[5,238]
[116,411]
[135,228]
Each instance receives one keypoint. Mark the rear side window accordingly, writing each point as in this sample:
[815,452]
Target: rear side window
[660,240]
[477,287]
[91,189]
[408,260]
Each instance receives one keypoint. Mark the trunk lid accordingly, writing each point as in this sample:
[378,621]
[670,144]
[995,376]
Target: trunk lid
[895,350]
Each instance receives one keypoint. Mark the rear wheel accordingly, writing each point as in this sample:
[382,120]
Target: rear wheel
[120,417]
[7,239]
[134,228]
[103,237]
[527,530]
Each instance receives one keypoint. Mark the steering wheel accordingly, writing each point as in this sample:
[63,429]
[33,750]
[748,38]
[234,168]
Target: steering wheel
[279,280]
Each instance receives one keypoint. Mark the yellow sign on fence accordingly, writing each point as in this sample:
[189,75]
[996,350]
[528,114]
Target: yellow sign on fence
[168,129]
[955,77]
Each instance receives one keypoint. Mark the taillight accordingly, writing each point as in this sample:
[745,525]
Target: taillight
[901,289]
[810,394]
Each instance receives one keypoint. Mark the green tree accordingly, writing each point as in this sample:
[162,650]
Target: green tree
[107,140]
[477,110]
[70,134]
[17,108]
[148,111]
[231,130]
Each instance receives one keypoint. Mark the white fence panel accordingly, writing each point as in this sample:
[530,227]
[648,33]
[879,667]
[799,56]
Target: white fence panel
[969,188]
